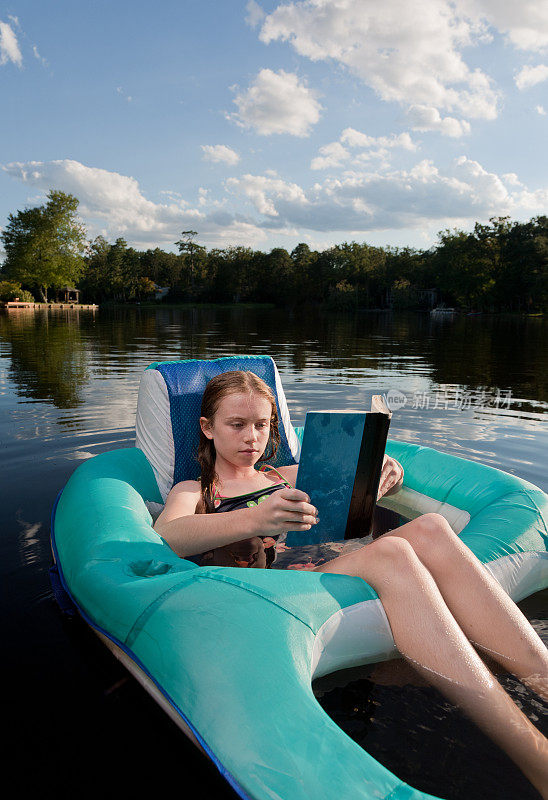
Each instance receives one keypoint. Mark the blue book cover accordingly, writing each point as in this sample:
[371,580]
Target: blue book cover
[339,468]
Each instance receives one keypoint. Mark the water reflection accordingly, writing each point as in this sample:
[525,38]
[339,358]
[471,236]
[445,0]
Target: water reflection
[47,358]
[53,356]
[30,544]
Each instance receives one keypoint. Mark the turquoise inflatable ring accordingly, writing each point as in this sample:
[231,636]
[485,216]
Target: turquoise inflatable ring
[231,653]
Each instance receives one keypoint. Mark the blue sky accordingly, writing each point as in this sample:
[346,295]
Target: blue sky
[268,124]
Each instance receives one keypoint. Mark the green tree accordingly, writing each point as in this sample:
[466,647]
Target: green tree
[277,278]
[45,245]
[9,290]
[523,283]
[194,258]
[464,269]
[131,275]
[115,265]
[163,268]
[304,266]
[403,294]
[230,274]
[343,296]
[145,288]
[96,280]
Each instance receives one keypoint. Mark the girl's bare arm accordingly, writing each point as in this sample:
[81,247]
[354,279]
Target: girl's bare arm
[189,533]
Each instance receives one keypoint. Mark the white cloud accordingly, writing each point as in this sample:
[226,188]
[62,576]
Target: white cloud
[277,102]
[255,13]
[9,48]
[331,155]
[354,138]
[511,179]
[263,191]
[335,154]
[427,118]
[358,202]
[114,204]
[364,201]
[220,153]
[540,110]
[530,76]
[525,24]
[409,53]
[121,91]
[486,187]
[175,196]
[39,57]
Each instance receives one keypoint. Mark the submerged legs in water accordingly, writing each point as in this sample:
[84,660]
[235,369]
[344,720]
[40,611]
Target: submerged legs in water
[432,635]
[487,615]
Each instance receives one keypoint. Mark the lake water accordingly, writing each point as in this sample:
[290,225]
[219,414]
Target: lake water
[474,386]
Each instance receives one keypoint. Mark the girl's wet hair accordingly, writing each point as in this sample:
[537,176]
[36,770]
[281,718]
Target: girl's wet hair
[233,382]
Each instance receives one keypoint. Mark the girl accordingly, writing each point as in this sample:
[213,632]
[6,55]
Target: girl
[442,604]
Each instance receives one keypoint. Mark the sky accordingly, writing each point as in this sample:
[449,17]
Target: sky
[265,124]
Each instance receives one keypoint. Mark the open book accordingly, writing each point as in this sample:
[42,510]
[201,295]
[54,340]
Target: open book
[340,468]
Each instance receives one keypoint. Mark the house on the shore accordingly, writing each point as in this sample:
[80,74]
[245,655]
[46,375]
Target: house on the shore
[68,294]
[160,291]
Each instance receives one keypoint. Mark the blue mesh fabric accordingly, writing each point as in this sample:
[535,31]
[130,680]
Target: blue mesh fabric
[186,381]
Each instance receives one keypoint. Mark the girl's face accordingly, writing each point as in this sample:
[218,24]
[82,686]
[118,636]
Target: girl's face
[240,428]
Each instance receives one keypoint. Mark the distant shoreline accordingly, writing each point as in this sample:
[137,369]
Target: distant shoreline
[14,305]
[324,307]
[183,304]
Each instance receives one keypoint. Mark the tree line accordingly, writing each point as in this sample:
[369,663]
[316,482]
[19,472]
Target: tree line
[499,266]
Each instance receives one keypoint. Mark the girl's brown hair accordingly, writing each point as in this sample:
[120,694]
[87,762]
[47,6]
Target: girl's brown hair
[233,382]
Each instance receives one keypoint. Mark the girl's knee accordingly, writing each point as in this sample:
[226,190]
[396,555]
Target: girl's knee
[435,537]
[394,567]
[395,558]
[434,526]
[393,549]
[434,523]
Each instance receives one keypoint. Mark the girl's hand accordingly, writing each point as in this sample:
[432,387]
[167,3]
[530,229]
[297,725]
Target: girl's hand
[285,510]
[391,477]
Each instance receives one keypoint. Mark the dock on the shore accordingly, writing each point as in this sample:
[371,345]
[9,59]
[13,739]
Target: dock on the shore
[17,304]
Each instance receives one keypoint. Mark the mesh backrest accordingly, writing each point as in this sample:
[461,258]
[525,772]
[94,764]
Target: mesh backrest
[168,413]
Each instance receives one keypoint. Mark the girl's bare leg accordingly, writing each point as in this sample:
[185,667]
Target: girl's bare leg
[427,635]
[483,610]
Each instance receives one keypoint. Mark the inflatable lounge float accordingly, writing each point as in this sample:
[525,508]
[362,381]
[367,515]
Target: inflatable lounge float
[230,653]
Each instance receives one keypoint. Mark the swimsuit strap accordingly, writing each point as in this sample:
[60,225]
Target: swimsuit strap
[262,468]
[265,467]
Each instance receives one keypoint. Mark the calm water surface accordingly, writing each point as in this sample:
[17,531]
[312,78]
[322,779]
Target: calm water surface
[473,386]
